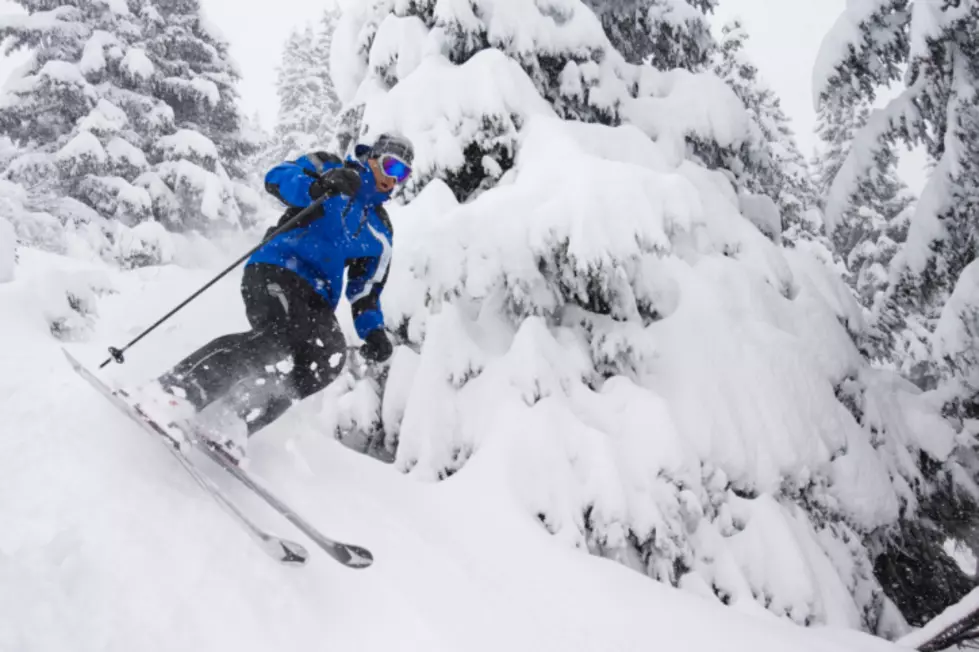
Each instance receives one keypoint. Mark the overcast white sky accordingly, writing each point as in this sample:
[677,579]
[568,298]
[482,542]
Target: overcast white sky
[785,36]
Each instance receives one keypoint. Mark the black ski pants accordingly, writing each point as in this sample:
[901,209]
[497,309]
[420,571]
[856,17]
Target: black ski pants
[294,349]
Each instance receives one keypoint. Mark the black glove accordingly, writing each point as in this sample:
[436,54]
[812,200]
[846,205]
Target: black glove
[339,181]
[377,347]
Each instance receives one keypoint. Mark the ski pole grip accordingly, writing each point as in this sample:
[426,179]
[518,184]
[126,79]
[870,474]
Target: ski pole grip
[116,355]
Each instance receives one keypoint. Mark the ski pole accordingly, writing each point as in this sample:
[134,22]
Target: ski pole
[117,354]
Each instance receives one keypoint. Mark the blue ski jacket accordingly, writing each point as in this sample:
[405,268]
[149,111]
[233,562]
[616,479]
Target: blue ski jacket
[344,233]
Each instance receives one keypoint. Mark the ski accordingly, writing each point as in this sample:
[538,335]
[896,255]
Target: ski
[347,554]
[282,550]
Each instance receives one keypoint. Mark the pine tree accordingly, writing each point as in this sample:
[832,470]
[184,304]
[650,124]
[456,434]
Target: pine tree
[127,108]
[837,125]
[308,104]
[773,165]
[938,110]
[875,223]
[556,239]
[938,43]
[300,89]
[329,101]
[666,33]
[580,75]
[196,78]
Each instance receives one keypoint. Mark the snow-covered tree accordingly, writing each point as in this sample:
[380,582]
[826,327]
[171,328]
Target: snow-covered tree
[666,33]
[126,112]
[837,124]
[577,72]
[323,45]
[870,231]
[308,103]
[938,44]
[773,165]
[866,49]
[586,317]
[300,89]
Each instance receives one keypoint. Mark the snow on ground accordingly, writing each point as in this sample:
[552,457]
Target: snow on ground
[107,545]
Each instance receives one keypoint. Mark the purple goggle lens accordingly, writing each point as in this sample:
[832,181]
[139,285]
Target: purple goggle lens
[395,168]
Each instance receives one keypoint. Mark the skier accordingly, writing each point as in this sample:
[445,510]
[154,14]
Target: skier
[291,287]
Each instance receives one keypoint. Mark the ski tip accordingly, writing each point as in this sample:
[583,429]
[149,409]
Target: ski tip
[355,557]
[292,553]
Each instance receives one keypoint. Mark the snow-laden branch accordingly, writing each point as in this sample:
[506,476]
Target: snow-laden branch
[957,624]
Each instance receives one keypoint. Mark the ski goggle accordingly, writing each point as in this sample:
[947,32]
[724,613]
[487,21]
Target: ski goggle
[395,167]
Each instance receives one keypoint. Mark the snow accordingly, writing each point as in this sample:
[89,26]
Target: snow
[737,370]
[861,157]
[93,56]
[59,21]
[208,89]
[63,72]
[138,64]
[83,148]
[8,251]
[116,6]
[958,327]
[621,411]
[400,42]
[347,71]
[678,104]
[110,545]
[105,118]
[199,185]
[843,37]
[121,150]
[965,607]
[188,143]
[440,122]
[762,211]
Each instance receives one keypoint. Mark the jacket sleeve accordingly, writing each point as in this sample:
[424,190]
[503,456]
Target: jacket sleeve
[366,278]
[289,182]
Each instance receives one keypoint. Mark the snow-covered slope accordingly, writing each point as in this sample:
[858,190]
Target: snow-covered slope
[106,544]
